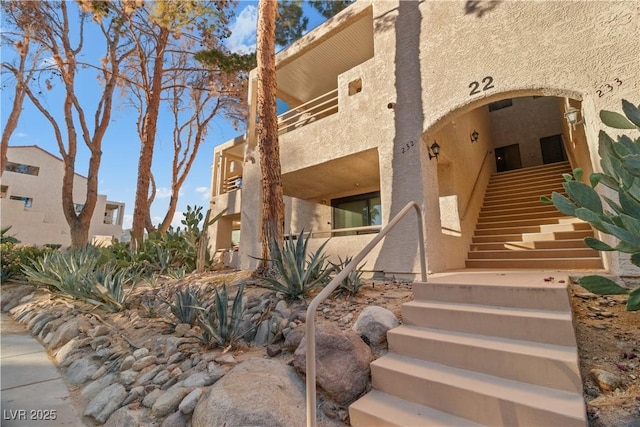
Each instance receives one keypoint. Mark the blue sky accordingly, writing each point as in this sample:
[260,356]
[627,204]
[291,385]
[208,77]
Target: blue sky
[118,171]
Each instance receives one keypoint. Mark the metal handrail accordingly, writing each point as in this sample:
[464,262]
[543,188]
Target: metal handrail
[310,335]
[475,184]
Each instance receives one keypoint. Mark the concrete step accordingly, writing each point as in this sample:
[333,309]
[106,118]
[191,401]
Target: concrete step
[481,398]
[508,228]
[551,175]
[511,206]
[538,263]
[533,237]
[539,189]
[529,291]
[528,324]
[533,170]
[545,211]
[381,409]
[535,253]
[515,200]
[523,246]
[510,222]
[535,363]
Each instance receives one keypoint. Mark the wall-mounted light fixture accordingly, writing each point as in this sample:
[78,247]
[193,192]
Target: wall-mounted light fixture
[474,136]
[571,115]
[435,149]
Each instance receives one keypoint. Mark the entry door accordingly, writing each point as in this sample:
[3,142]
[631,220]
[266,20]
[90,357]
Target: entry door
[508,158]
[552,149]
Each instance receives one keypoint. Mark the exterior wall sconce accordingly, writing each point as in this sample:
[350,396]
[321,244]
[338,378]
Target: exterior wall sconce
[572,117]
[435,149]
[474,136]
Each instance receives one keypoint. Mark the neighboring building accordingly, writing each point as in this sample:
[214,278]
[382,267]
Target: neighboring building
[373,88]
[31,201]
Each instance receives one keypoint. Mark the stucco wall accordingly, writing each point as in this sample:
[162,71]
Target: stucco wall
[44,222]
[437,61]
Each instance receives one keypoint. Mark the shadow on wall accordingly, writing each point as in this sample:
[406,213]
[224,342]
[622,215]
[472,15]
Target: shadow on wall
[479,7]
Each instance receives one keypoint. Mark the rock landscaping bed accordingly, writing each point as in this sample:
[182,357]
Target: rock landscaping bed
[137,367]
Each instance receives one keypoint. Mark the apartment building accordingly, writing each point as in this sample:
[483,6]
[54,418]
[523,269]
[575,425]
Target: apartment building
[471,109]
[31,201]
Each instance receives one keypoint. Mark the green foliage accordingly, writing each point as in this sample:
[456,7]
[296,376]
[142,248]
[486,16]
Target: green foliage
[328,8]
[13,257]
[603,286]
[220,327]
[185,305]
[79,274]
[227,62]
[297,272]
[353,282]
[620,216]
[175,252]
[291,24]
[4,238]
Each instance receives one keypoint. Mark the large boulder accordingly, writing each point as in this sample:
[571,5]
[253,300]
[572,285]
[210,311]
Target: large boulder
[342,363]
[257,392]
[374,322]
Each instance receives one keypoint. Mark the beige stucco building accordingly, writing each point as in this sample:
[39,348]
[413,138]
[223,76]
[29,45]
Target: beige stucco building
[374,87]
[31,201]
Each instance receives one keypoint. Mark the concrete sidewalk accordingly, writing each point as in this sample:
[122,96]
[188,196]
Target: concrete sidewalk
[31,388]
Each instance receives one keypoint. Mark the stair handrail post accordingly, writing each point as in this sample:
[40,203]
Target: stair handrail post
[475,184]
[310,333]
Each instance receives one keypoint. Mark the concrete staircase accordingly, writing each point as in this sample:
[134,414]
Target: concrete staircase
[494,349]
[515,230]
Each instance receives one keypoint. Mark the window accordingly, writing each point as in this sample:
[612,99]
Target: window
[28,201]
[19,168]
[361,210]
[3,191]
[499,105]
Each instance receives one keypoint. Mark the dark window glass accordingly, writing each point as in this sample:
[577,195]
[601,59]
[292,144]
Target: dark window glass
[361,210]
[24,169]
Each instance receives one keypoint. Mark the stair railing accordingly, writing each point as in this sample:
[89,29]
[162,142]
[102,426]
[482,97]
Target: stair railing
[310,336]
[475,184]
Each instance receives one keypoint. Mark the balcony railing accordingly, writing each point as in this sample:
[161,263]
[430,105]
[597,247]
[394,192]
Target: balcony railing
[309,112]
[231,183]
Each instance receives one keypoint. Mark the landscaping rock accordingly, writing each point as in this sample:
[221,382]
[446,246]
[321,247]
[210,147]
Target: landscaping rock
[374,322]
[106,402]
[151,398]
[63,353]
[177,419]
[605,380]
[196,380]
[256,392]
[124,417]
[81,371]
[140,364]
[293,338]
[93,388]
[168,402]
[342,362]
[189,403]
[64,334]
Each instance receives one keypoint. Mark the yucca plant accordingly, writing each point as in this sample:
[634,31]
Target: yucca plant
[113,285]
[297,272]
[185,305]
[351,284]
[220,327]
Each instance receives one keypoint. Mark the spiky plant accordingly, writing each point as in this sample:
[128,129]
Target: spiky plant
[351,284]
[297,273]
[185,306]
[221,328]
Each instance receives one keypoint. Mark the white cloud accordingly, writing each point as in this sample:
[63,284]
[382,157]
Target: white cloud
[204,191]
[243,31]
[165,193]
[20,135]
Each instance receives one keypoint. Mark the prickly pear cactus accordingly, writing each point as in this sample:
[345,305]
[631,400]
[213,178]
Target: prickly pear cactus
[618,216]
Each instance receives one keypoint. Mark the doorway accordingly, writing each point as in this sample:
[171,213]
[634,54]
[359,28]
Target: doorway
[552,149]
[508,158]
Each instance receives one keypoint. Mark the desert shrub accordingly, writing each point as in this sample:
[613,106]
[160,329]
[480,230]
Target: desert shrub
[13,257]
[80,274]
[351,284]
[220,327]
[297,272]
[185,305]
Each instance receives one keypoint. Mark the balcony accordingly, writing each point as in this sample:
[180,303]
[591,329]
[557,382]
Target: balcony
[309,112]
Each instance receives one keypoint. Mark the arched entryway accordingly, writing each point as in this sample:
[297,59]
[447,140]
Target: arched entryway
[514,134]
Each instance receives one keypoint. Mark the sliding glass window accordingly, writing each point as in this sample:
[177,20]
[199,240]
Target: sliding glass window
[362,210]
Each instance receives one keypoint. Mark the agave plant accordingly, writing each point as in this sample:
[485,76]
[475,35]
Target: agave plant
[351,284]
[620,216]
[185,305]
[297,272]
[220,327]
